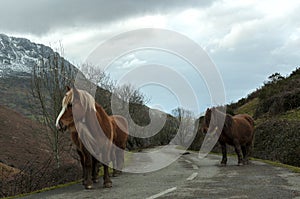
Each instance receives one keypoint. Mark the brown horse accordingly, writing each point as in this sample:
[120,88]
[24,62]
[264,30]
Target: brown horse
[114,128]
[238,131]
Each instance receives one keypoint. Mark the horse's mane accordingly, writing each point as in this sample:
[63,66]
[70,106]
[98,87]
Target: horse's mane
[95,135]
[87,100]
[220,116]
[228,121]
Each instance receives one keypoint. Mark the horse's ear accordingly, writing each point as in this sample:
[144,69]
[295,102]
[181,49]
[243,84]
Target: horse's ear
[68,88]
[75,91]
[207,110]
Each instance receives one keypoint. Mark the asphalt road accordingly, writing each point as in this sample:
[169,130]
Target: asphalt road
[191,177]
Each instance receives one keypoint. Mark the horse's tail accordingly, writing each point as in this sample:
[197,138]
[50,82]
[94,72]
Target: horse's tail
[250,120]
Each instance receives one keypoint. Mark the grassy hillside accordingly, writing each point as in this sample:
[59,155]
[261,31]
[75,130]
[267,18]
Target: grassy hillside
[15,94]
[277,96]
[276,109]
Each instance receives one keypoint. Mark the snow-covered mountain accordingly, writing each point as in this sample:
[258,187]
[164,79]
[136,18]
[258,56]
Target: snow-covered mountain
[19,55]
[19,58]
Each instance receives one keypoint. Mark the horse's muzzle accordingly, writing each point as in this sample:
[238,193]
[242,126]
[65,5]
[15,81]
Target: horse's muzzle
[204,130]
[61,126]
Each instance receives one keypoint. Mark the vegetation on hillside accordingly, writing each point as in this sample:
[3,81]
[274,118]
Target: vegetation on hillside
[276,109]
[26,160]
[278,95]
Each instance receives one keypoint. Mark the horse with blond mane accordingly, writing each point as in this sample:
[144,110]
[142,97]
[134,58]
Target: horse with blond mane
[97,136]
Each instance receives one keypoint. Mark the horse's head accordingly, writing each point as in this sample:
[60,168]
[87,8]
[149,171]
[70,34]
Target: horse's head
[206,121]
[216,118]
[65,117]
[75,103]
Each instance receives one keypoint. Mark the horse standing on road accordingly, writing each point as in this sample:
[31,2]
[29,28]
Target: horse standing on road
[96,135]
[238,131]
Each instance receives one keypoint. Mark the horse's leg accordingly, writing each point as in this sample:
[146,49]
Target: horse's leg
[244,151]
[224,153]
[245,154]
[237,148]
[88,169]
[119,161]
[106,179]
[249,151]
[82,165]
[114,160]
[95,171]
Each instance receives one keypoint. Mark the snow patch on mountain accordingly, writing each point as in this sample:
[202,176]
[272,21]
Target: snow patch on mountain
[19,55]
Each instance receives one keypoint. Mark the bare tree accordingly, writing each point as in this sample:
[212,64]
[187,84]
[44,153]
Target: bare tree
[49,78]
[97,76]
[126,93]
[129,94]
[186,129]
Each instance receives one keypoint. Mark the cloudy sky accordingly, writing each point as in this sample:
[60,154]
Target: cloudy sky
[246,40]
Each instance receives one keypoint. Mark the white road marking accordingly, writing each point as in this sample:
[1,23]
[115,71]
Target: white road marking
[162,193]
[242,196]
[195,167]
[192,177]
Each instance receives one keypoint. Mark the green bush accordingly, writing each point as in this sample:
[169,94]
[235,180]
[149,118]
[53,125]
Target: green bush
[278,140]
[279,103]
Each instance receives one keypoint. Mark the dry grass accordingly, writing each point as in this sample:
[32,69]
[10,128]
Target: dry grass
[249,107]
[7,171]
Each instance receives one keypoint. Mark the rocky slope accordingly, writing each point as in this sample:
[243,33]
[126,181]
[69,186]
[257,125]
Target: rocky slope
[18,55]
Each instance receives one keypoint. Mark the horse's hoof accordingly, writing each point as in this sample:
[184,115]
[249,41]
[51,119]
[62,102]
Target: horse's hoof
[107,185]
[240,164]
[223,164]
[95,180]
[116,173]
[245,162]
[88,186]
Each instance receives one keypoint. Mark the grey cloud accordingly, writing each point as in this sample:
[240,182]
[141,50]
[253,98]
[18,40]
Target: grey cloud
[41,16]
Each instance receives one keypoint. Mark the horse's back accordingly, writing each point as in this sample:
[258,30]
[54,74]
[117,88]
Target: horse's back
[244,127]
[245,119]
[249,119]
